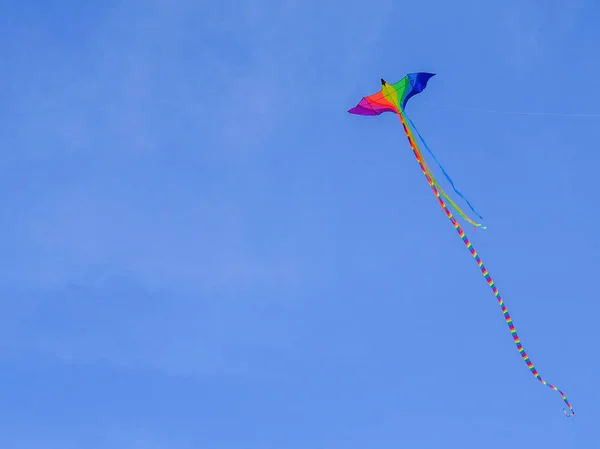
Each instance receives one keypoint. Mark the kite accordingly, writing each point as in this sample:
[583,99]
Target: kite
[393,98]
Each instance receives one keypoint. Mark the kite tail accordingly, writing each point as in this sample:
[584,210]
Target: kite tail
[442,168]
[452,203]
[484,271]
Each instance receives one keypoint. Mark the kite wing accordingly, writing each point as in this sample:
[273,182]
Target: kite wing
[392,97]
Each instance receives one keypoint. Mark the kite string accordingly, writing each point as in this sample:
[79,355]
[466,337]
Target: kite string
[442,168]
[543,114]
[483,269]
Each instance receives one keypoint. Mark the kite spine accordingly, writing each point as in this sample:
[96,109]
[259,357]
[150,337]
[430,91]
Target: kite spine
[483,269]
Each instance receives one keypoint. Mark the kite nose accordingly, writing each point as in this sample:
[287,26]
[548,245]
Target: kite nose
[383,83]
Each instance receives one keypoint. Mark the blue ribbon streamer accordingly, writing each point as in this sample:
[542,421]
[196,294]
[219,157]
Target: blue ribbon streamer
[442,168]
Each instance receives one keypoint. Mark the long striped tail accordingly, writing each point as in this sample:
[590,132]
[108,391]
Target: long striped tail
[484,271]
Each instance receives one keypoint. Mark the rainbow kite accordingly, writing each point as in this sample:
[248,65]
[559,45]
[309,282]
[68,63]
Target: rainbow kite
[393,98]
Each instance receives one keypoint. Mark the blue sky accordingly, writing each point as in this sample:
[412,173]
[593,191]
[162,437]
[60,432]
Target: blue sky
[203,249]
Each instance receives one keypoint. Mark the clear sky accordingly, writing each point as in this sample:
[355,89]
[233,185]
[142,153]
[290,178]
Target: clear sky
[203,249]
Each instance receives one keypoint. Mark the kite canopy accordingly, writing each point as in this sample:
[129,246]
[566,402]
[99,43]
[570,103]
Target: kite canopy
[392,97]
